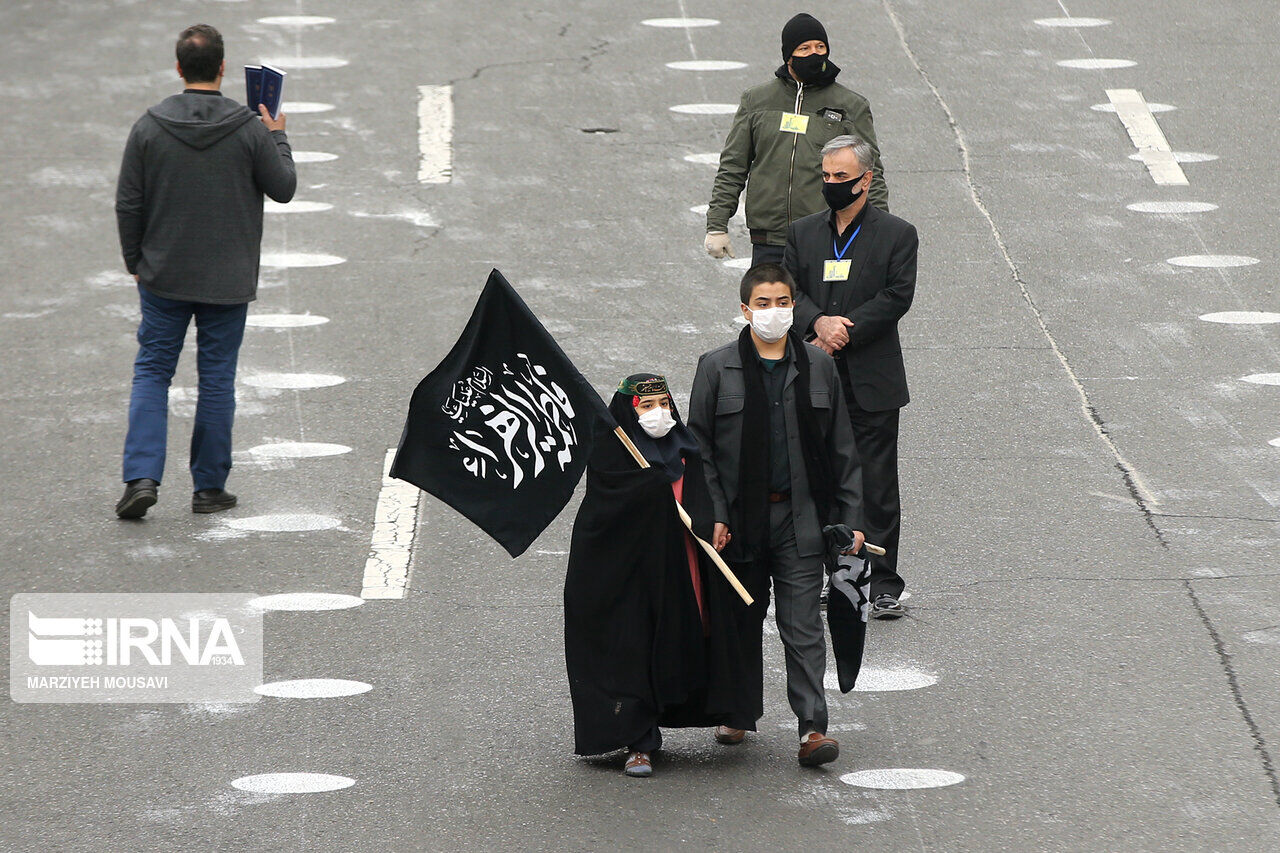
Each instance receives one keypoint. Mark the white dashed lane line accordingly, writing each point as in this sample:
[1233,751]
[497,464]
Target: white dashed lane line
[313,157]
[293,381]
[1073,23]
[1092,64]
[285,523]
[435,134]
[284,321]
[710,158]
[296,206]
[1185,157]
[680,23]
[305,601]
[1213,261]
[901,779]
[1242,318]
[395,522]
[291,783]
[705,109]
[298,450]
[1111,108]
[296,20]
[286,260]
[1147,137]
[1171,206]
[304,107]
[306,63]
[706,65]
[313,688]
[1262,378]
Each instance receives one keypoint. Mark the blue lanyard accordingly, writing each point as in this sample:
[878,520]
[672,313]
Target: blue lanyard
[852,237]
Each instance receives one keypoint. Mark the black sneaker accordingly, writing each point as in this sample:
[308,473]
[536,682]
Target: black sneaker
[139,496]
[887,606]
[212,500]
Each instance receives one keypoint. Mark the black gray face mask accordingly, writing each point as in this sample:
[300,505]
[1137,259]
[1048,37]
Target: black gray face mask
[809,68]
[840,195]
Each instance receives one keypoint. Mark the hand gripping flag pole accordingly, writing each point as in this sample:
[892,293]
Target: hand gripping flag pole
[688,523]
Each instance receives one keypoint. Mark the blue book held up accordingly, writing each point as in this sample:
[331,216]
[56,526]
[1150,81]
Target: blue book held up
[272,89]
[253,86]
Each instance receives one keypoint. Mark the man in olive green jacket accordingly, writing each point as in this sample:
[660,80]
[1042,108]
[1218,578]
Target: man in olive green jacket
[776,142]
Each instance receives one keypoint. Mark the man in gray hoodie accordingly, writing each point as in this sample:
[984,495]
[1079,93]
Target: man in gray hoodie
[189,211]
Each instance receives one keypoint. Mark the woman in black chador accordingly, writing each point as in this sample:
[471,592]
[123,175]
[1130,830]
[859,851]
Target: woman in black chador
[650,623]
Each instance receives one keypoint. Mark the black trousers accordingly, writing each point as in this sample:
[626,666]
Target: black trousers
[876,437]
[763,252]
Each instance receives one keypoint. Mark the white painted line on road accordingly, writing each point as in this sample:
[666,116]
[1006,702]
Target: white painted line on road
[435,134]
[1242,318]
[293,381]
[395,521]
[738,263]
[299,601]
[1155,108]
[1096,64]
[285,260]
[1147,137]
[1262,378]
[705,109]
[284,321]
[298,450]
[680,23]
[269,206]
[285,523]
[883,679]
[306,62]
[313,157]
[291,783]
[313,688]
[306,107]
[706,65]
[296,20]
[420,218]
[1072,22]
[1275,442]
[901,779]
[1213,261]
[710,158]
[1185,157]
[1171,206]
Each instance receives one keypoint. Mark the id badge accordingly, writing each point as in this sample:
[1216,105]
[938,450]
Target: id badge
[794,123]
[836,270]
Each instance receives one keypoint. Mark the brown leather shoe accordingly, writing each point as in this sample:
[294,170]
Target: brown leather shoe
[728,736]
[818,749]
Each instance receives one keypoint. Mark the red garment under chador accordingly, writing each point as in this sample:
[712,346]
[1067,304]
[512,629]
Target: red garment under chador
[691,552]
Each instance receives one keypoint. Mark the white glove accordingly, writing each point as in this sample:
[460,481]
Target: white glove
[717,245]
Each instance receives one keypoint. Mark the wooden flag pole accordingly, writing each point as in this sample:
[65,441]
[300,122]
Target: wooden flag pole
[688,523]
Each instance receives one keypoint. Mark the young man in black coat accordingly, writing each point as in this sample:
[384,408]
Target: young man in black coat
[855,272]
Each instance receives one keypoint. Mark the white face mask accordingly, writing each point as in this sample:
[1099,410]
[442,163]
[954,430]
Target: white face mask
[657,422]
[771,324]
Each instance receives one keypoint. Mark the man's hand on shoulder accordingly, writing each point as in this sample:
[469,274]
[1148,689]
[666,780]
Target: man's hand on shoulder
[832,332]
[271,123]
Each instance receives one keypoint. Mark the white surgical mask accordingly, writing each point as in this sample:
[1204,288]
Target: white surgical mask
[657,422]
[771,324]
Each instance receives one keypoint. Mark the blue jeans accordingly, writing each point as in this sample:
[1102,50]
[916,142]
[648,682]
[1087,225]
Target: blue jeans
[219,331]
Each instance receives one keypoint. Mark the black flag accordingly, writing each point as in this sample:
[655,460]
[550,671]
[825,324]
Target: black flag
[502,428]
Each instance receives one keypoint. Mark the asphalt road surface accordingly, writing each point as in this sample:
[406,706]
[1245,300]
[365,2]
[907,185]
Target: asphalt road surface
[1091,501]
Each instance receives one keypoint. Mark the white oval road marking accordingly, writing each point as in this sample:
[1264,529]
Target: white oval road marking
[285,523]
[1072,22]
[1093,64]
[1262,378]
[291,783]
[680,23]
[284,260]
[299,601]
[1185,157]
[1275,442]
[711,158]
[705,109]
[307,62]
[901,779]
[700,209]
[284,321]
[269,206]
[885,680]
[1242,318]
[1172,206]
[293,381]
[313,157]
[302,107]
[1111,108]
[298,450]
[738,263]
[313,688]
[296,20]
[1213,261]
[706,65]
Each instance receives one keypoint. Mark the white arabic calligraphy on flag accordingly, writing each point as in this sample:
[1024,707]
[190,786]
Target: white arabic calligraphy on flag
[510,424]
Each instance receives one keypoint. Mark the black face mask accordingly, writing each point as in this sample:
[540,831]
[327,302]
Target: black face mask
[841,195]
[809,68]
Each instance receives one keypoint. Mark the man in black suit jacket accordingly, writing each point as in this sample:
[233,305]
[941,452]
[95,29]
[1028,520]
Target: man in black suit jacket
[855,271]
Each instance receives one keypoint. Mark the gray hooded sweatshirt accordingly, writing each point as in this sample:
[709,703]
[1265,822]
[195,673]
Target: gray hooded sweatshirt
[189,197]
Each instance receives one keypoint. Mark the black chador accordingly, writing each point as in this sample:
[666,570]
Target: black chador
[651,626]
